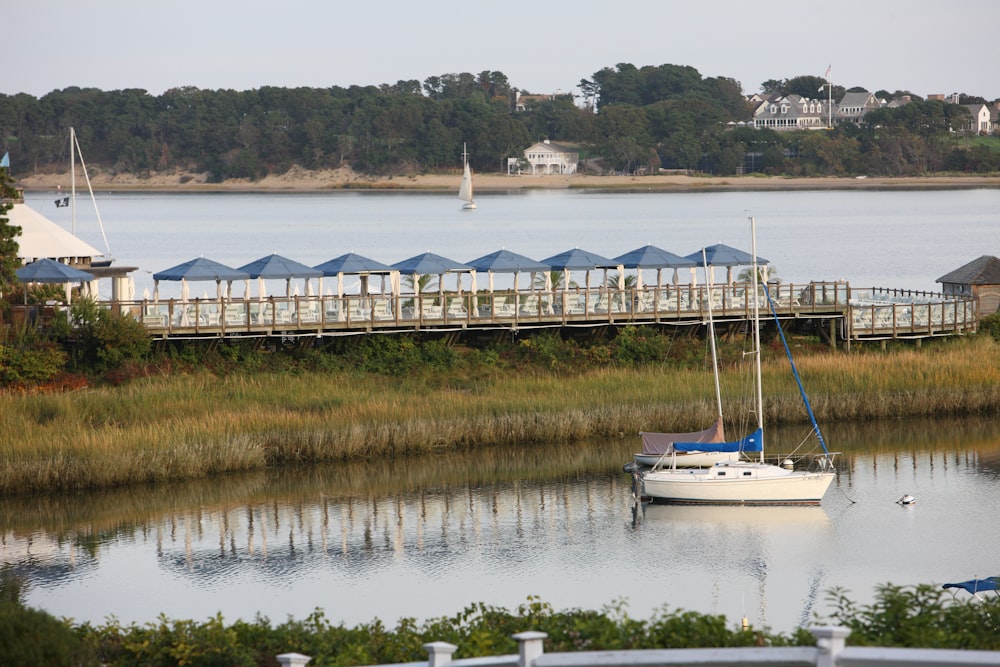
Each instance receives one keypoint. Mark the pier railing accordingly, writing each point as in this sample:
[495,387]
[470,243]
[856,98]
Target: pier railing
[830,651]
[863,313]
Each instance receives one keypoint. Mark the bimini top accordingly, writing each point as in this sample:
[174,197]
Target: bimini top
[974,586]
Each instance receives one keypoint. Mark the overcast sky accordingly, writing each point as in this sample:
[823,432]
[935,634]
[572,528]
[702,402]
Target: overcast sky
[543,46]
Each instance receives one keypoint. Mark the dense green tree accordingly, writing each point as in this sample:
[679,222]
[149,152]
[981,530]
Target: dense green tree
[8,233]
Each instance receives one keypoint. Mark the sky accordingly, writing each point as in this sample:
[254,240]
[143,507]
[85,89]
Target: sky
[542,46]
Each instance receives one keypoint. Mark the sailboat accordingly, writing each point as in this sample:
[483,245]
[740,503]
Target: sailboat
[746,482]
[465,189]
[74,151]
[658,448]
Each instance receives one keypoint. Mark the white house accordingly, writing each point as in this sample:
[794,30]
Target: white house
[548,158]
[980,121]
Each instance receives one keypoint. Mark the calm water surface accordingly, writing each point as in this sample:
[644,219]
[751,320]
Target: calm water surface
[871,238]
[425,538]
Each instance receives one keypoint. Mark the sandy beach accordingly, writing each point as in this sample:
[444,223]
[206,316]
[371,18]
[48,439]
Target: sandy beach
[301,180]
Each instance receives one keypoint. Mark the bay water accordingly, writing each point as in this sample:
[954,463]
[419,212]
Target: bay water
[424,538]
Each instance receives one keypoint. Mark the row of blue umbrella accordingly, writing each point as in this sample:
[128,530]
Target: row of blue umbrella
[502,261]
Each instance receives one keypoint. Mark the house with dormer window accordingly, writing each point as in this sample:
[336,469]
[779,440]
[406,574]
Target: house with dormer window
[853,107]
[791,112]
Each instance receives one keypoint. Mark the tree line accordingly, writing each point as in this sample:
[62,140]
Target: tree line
[633,119]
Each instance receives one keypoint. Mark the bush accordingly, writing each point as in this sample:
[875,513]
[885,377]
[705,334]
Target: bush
[33,637]
[989,325]
[105,340]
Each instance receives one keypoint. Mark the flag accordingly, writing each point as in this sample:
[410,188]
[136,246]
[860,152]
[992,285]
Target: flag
[62,202]
[5,162]
[827,77]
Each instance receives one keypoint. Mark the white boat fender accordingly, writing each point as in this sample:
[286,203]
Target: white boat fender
[907,499]
[788,463]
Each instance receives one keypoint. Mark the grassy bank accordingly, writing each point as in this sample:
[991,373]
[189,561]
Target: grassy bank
[193,425]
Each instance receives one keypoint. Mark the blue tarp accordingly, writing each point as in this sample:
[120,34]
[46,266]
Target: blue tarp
[201,269]
[278,267]
[50,271]
[505,261]
[974,586]
[751,443]
[353,264]
[651,257]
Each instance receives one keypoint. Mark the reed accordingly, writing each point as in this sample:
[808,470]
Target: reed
[190,426]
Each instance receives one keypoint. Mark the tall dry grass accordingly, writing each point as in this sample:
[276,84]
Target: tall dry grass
[192,426]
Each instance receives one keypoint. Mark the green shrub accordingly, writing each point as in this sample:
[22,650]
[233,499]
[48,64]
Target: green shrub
[990,325]
[33,637]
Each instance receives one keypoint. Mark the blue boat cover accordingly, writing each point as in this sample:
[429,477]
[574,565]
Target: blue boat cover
[751,443]
[974,586]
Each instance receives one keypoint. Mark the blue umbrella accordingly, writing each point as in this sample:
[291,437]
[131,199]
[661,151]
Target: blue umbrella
[505,261]
[579,260]
[199,269]
[429,263]
[352,263]
[651,257]
[276,267]
[50,271]
[722,255]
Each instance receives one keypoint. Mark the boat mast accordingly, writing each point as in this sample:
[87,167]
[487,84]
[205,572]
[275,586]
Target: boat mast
[756,331]
[72,176]
[75,146]
[711,336]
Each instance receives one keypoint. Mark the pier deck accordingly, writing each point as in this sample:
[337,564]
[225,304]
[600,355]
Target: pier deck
[845,314]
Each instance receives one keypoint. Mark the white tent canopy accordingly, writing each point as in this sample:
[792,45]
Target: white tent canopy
[41,238]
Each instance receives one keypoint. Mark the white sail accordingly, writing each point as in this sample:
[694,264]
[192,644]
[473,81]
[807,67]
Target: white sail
[465,189]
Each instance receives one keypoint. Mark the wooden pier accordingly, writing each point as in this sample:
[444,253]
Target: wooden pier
[841,314]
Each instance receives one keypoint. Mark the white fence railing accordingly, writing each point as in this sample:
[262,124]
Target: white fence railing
[830,651]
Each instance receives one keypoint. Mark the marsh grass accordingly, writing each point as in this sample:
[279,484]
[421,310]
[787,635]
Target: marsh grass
[189,426]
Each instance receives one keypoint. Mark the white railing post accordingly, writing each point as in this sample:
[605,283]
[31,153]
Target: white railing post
[830,641]
[439,653]
[292,659]
[529,647]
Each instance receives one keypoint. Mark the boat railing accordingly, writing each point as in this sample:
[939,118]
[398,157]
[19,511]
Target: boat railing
[831,650]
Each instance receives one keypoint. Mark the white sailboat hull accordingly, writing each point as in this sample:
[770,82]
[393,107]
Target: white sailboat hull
[737,483]
[686,459]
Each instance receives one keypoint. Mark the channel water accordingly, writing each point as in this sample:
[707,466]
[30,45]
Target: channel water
[424,538]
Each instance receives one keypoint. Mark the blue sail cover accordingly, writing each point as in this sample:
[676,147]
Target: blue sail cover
[751,443]
[974,586]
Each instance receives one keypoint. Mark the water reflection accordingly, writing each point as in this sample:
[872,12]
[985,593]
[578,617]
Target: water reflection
[426,537]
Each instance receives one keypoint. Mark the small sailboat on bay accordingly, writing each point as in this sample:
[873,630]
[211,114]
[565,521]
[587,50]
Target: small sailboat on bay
[465,189]
[746,482]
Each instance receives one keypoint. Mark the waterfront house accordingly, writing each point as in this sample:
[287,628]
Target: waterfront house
[853,107]
[979,279]
[980,120]
[791,112]
[547,157]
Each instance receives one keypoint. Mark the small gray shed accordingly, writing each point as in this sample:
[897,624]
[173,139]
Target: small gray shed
[980,279]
